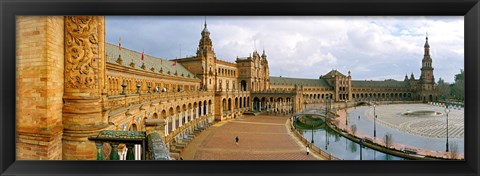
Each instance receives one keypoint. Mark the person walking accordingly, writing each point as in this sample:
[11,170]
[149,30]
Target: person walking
[308,149]
[236,140]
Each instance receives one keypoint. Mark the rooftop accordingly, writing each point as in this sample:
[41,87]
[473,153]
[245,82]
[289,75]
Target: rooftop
[297,81]
[332,74]
[128,56]
[386,83]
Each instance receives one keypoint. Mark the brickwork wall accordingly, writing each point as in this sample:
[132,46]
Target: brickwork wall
[39,82]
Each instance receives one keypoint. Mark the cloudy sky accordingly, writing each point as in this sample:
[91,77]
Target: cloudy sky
[372,48]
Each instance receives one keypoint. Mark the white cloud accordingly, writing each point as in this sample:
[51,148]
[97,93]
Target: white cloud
[307,47]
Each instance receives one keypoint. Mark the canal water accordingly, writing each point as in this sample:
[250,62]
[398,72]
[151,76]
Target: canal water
[341,147]
[365,125]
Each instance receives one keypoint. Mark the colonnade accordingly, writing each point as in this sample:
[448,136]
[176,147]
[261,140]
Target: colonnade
[279,105]
[184,116]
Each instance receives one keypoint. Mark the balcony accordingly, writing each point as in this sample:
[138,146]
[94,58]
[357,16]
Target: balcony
[115,102]
[231,93]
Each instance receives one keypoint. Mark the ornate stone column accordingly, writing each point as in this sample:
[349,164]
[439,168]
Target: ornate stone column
[180,119]
[173,123]
[196,113]
[84,83]
[166,126]
[191,114]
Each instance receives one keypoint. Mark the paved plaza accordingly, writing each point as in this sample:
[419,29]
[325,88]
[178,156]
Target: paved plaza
[260,138]
[428,126]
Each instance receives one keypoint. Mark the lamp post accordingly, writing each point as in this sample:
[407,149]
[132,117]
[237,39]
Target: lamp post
[326,139]
[361,146]
[312,135]
[447,111]
[327,103]
[346,114]
[374,122]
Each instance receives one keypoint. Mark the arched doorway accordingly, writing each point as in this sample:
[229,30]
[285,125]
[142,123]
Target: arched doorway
[243,85]
[256,104]
[224,105]
[133,127]
[236,104]
[205,107]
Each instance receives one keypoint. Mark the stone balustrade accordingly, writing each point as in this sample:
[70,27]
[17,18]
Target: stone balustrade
[121,101]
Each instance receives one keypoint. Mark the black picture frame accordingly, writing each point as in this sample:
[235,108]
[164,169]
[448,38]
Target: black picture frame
[470,9]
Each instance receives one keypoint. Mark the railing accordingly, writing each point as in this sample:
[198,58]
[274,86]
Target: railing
[315,148]
[312,147]
[121,101]
[169,138]
[232,92]
[275,91]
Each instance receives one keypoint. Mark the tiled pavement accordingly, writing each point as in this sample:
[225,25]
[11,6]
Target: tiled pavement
[260,138]
[341,118]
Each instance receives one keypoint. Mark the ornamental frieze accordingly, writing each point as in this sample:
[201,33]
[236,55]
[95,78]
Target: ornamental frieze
[81,52]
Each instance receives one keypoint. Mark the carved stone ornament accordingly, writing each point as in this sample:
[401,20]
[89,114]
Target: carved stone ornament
[132,64]
[119,60]
[81,52]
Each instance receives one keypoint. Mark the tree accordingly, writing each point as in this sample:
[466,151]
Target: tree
[388,140]
[453,150]
[460,76]
[443,88]
[353,128]
[458,88]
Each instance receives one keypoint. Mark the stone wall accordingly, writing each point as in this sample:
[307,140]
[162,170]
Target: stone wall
[39,81]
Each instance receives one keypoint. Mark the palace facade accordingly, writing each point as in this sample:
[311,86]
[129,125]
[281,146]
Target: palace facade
[72,86]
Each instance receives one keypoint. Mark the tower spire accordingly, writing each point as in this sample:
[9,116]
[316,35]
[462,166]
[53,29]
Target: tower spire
[205,30]
[426,46]
[205,44]
[426,41]
[427,79]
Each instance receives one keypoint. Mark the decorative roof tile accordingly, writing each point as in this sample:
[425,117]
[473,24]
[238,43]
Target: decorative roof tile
[386,83]
[297,81]
[332,74]
[129,56]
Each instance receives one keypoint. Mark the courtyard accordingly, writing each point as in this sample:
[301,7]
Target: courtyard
[260,138]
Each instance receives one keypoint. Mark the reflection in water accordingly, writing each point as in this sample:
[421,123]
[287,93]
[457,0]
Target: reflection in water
[353,147]
[388,157]
[337,137]
[341,147]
